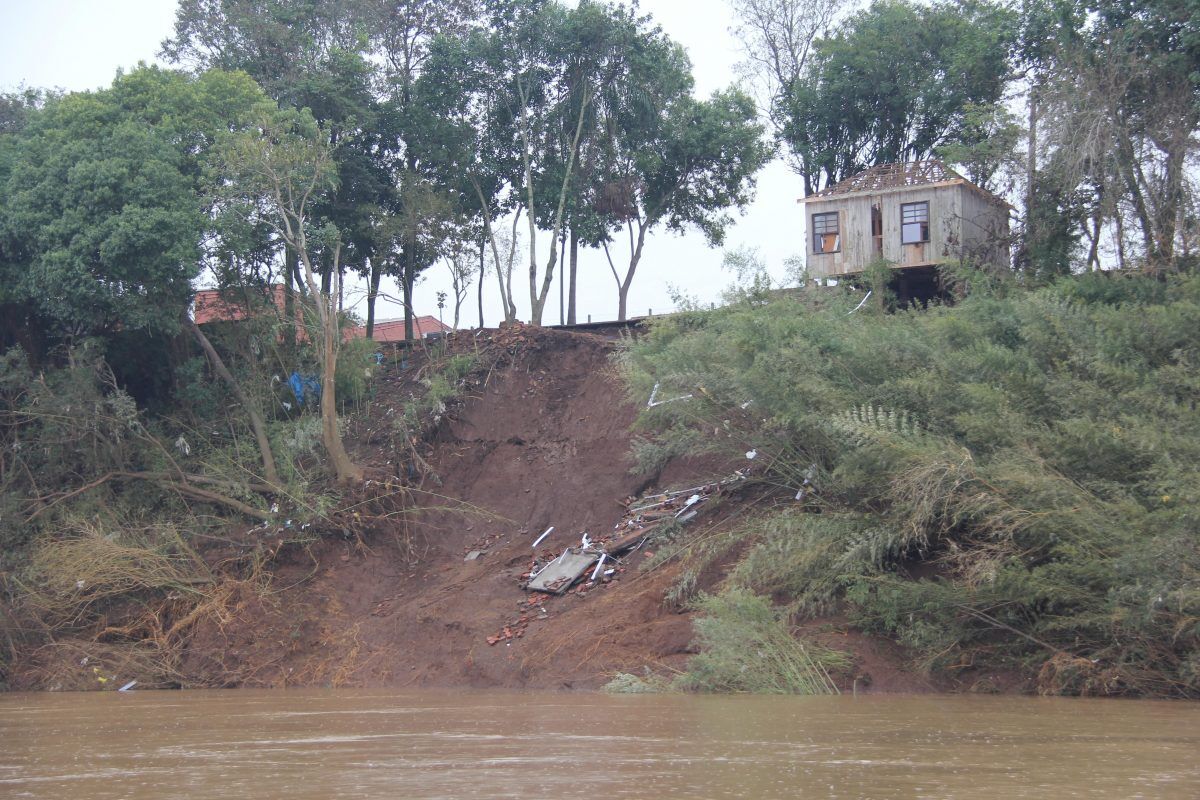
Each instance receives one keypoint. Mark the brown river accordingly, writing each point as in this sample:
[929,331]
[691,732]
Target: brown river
[272,745]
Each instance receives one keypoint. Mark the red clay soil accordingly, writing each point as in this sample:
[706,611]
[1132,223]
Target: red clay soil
[541,438]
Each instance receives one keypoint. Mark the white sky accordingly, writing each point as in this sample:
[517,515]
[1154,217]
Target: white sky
[80,44]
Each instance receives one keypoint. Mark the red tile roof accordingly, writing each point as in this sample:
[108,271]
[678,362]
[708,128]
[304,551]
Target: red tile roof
[392,330]
[230,305]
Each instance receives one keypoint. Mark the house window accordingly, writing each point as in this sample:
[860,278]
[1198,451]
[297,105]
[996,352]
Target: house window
[914,222]
[825,233]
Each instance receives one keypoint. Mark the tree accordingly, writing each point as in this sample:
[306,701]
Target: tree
[1118,100]
[777,37]
[101,221]
[106,211]
[464,144]
[895,83]
[460,263]
[516,100]
[402,33]
[684,166]
[278,173]
[309,54]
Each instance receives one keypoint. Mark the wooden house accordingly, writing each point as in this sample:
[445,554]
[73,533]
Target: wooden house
[913,215]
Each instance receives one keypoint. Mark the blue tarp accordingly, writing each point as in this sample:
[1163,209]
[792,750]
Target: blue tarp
[305,387]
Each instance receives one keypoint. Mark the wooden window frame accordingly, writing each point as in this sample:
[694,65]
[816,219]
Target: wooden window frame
[919,216]
[821,229]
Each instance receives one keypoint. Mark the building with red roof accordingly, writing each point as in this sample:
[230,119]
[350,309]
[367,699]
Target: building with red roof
[232,305]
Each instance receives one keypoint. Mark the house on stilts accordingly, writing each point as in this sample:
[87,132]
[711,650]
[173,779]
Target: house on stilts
[914,216]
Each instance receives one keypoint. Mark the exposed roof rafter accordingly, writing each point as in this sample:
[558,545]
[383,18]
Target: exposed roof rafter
[894,176]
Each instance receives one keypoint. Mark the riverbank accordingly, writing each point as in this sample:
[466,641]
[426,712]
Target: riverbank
[817,496]
[535,434]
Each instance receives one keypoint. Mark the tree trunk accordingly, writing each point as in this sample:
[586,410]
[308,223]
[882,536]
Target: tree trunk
[1119,219]
[480,287]
[510,311]
[1093,259]
[344,469]
[1173,194]
[562,279]
[256,420]
[407,282]
[372,293]
[574,270]
[635,258]
[289,302]
[1031,178]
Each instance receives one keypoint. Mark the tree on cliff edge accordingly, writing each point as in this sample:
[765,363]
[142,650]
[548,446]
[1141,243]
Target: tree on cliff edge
[276,173]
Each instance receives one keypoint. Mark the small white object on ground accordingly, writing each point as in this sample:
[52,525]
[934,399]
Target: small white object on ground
[543,536]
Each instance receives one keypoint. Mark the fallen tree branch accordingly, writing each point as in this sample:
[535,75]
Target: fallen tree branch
[161,478]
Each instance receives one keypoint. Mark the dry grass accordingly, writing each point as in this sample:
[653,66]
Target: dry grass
[74,574]
[80,665]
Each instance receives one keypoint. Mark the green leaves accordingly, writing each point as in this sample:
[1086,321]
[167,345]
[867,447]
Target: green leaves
[1036,453]
[896,83]
[104,208]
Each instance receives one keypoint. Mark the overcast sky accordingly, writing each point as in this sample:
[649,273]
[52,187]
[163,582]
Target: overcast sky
[80,44]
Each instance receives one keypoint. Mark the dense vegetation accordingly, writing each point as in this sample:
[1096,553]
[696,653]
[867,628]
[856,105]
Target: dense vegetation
[1011,481]
[1028,454]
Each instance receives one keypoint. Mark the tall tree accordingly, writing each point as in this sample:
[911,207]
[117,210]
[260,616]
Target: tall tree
[310,54]
[105,208]
[401,34]
[894,83]
[684,166]
[777,37]
[278,173]
[1119,93]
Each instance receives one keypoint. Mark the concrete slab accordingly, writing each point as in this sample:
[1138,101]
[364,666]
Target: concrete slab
[557,576]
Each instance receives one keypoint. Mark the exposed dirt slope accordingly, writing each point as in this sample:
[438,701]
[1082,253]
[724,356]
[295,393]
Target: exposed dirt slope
[542,440]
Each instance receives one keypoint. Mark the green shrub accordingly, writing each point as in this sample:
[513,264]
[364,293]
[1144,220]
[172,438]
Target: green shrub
[1038,450]
[745,646]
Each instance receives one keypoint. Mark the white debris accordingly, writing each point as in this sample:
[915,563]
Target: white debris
[862,303]
[751,454]
[543,536]
[599,564]
[652,402]
[181,444]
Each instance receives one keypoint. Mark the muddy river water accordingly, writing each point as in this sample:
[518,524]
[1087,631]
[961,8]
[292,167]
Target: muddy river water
[374,744]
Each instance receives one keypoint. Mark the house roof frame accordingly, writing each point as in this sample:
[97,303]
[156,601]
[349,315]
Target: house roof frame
[900,173]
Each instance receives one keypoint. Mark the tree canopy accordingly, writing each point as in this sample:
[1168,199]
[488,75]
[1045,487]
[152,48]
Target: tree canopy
[895,82]
[103,214]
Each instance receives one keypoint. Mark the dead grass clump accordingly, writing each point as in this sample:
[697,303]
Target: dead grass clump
[72,575]
[82,665]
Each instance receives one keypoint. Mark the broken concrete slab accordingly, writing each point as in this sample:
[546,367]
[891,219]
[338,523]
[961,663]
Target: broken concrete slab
[557,576]
[475,554]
